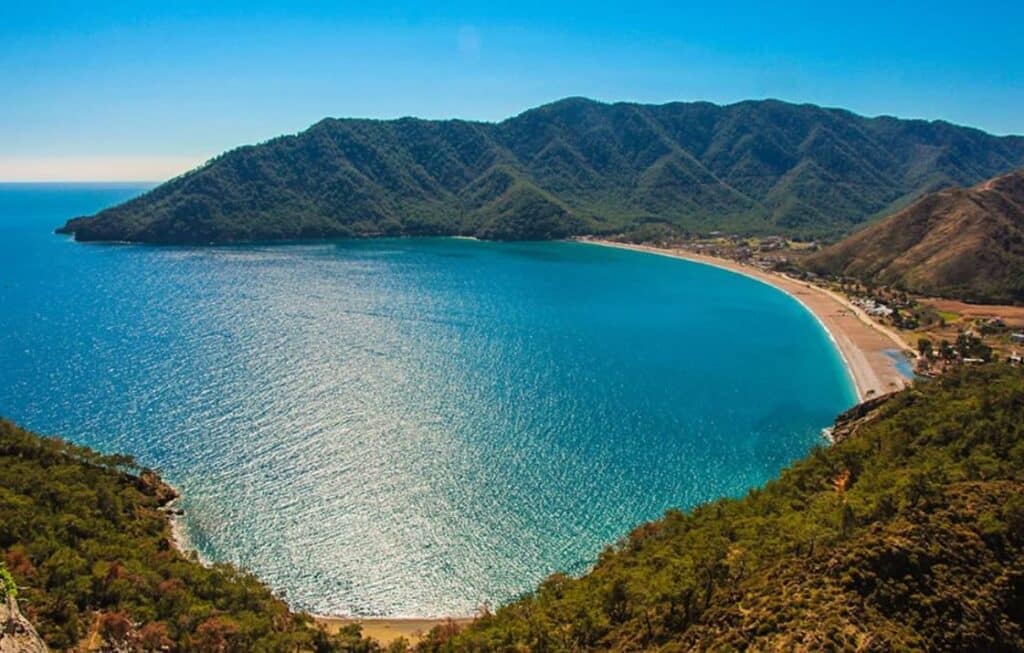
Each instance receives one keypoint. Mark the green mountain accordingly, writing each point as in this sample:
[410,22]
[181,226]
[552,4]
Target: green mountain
[965,243]
[906,535]
[572,167]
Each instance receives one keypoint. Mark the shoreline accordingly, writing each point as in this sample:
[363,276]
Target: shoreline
[388,629]
[863,345]
[382,629]
[179,535]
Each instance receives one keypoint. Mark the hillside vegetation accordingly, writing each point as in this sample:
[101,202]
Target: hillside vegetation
[908,534]
[963,243]
[572,167]
[84,539]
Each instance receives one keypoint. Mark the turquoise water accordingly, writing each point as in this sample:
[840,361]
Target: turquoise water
[407,427]
[903,364]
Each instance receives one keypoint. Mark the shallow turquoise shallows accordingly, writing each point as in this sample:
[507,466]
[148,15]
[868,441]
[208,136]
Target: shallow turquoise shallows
[407,427]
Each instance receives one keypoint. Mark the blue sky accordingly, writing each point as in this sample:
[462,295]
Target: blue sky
[146,91]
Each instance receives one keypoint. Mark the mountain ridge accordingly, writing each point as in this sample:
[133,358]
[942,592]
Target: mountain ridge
[571,167]
[964,243]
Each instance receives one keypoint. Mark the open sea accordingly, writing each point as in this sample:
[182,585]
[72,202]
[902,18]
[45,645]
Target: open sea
[406,427]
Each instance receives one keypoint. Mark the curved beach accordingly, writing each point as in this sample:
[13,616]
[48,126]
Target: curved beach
[865,346]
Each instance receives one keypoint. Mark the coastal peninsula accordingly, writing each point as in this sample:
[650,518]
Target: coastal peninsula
[567,168]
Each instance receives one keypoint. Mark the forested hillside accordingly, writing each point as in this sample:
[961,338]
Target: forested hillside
[84,538]
[908,534]
[572,167]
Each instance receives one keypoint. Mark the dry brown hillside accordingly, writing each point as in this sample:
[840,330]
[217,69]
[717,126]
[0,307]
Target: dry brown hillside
[966,243]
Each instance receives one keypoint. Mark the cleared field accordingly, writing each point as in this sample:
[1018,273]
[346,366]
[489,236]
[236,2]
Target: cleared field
[1012,315]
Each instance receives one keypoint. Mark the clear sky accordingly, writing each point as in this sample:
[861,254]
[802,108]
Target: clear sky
[97,90]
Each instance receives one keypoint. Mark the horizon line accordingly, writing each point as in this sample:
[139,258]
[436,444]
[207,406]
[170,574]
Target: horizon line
[43,182]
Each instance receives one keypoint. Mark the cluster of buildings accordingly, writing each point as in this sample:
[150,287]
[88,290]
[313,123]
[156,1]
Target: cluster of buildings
[872,307]
[765,253]
[1015,357]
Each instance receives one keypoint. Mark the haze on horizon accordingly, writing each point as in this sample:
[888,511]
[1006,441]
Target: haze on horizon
[145,93]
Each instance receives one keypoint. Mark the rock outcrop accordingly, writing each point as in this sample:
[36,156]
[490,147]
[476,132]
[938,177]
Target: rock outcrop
[17,635]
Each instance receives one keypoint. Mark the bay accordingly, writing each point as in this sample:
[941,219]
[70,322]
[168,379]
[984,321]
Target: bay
[407,426]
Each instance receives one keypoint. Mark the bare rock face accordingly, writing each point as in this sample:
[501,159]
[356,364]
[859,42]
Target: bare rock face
[847,423]
[17,635]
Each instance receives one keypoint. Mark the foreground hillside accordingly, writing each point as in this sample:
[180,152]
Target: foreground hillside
[571,167]
[89,548]
[963,243]
[908,534]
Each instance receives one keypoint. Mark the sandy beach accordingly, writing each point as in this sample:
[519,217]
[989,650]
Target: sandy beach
[863,343]
[386,630]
